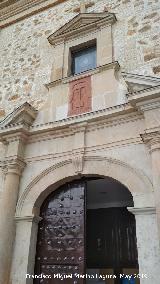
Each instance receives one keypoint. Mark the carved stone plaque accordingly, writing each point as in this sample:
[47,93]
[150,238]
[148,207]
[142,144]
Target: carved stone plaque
[80,96]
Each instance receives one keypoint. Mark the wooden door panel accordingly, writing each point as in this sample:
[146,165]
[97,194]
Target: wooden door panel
[113,239]
[60,244]
[61,270]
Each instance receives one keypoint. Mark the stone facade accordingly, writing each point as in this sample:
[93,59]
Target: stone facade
[44,143]
[26,56]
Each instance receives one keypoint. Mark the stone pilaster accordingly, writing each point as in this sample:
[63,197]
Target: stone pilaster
[14,132]
[24,248]
[152,139]
[147,244]
[7,212]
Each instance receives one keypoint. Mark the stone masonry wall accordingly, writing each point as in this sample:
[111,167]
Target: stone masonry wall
[26,56]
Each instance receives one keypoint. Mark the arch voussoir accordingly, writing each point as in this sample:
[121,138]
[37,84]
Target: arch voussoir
[37,190]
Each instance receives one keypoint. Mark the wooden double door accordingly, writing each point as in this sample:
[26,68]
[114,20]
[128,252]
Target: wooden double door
[72,239]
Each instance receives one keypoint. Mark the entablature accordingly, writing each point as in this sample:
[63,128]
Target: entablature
[98,119]
[113,115]
[144,97]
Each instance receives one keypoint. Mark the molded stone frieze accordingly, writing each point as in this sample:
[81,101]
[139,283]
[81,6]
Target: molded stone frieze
[79,131]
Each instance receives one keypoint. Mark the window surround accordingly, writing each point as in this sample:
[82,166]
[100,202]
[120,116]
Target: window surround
[78,48]
[81,31]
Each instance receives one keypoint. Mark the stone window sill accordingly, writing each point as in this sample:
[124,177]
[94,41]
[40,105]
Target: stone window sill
[71,78]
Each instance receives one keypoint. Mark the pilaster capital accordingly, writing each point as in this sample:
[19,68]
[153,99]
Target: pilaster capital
[142,210]
[18,136]
[33,219]
[152,139]
[14,166]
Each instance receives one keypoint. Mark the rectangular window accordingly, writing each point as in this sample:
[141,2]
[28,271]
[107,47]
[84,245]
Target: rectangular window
[84,59]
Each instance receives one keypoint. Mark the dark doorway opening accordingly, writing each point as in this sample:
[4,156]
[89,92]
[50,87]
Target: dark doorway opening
[111,247]
[87,230]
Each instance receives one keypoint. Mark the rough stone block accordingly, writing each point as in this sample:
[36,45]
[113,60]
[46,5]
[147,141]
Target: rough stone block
[13,98]
[145,29]
[156,69]
[2,112]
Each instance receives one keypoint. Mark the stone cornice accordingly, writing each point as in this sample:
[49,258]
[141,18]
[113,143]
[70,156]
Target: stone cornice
[61,131]
[85,117]
[96,70]
[24,114]
[147,99]
[140,96]
[62,128]
[141,79]
[82,23]
[17,10]
[17,124]
[14,131]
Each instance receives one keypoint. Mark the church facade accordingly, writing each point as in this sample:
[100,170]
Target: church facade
[80,141]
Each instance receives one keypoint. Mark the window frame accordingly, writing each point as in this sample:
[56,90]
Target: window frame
[80,48]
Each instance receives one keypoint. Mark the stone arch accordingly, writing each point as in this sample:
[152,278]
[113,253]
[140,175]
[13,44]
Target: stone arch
[135,180]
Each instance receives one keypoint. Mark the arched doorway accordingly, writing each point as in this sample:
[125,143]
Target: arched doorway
[87,231]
